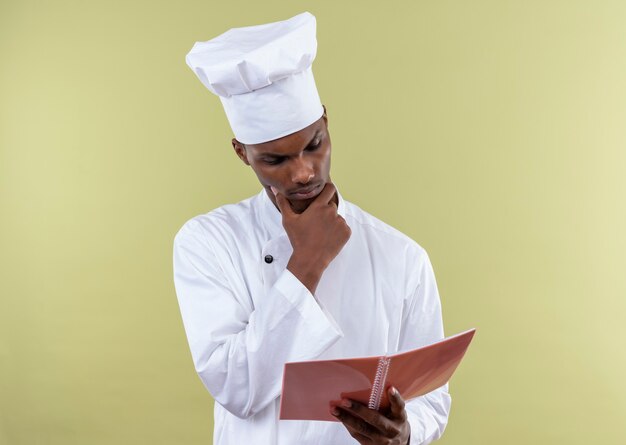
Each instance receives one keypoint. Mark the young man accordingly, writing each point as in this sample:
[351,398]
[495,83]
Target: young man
[295,272]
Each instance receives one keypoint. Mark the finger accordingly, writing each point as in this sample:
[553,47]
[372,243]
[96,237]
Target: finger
[363,440]
[397,404]
[358,428]
[282,203]
[327,194]
[334,199]
[376,420]
[343,220]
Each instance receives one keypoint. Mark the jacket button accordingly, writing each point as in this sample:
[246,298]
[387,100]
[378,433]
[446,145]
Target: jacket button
[269,258]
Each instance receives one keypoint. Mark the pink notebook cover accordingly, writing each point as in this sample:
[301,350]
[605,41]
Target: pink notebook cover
[309,387]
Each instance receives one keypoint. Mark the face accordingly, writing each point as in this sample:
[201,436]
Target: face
[297,165]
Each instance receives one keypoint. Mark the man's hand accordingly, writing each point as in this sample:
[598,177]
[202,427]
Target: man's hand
[369,427]
[317,235]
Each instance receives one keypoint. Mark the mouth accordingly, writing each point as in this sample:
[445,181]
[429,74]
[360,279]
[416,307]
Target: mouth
[306,192]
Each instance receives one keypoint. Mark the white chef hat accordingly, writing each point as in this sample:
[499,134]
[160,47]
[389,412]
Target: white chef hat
[263,76]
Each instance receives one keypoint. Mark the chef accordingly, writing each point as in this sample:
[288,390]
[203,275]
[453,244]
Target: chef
[295,272]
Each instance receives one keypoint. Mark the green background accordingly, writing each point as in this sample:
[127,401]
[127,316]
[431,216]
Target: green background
[492,132]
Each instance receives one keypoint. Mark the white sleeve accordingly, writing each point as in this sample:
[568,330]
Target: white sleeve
[422,325]
[239,352]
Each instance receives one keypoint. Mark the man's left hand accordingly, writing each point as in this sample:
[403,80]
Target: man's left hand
[370,427]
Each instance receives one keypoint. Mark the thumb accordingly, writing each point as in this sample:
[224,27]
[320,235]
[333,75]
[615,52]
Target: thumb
[397,404]
[282,203]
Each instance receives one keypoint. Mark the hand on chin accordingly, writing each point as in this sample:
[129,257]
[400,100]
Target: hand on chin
[300,205]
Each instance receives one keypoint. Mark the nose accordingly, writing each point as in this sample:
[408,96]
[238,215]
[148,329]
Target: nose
[302,171]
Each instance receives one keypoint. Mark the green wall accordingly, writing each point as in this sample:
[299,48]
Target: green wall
[492,132]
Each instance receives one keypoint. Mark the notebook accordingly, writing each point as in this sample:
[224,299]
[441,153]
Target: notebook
[310,386]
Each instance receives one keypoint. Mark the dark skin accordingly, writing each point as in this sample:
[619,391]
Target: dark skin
[371,427]
[295,172]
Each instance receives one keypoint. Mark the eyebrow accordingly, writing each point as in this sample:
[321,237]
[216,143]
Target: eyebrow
[278,155]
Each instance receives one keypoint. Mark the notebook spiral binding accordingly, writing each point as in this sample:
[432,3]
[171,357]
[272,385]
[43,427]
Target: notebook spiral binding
[379,383]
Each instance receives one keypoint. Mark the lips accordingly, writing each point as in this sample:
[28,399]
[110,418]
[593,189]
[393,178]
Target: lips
[305,193]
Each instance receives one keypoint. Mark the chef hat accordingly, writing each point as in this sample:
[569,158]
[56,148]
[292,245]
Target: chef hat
[263,76]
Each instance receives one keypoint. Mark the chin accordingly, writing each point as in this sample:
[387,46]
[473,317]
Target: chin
[300,205]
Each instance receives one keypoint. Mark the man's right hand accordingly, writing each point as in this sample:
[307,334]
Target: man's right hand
[317,235]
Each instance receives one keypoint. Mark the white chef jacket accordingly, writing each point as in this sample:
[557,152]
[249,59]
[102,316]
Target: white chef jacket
[245,315]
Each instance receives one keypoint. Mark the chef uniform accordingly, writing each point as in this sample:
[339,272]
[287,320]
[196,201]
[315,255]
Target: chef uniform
[245,314]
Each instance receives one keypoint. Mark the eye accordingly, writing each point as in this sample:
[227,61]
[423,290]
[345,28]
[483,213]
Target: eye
[314,146]
[274,161]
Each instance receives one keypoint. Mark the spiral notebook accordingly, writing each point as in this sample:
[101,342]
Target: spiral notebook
[309,387]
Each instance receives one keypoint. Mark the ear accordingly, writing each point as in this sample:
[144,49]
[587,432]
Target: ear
[324,115]
[240,149]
